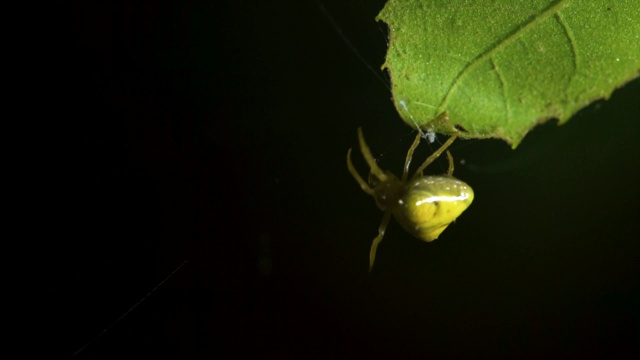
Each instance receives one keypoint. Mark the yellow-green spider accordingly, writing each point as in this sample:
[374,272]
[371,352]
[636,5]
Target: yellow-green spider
[423,205]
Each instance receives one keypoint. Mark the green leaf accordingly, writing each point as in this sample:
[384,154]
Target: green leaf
[498,68]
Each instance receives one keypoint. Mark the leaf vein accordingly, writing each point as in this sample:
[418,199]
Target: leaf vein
[574,49]
[516,34]
[505,91]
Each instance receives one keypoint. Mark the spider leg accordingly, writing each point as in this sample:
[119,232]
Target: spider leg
[434,156]
[407,161]
[374,245]
[363,184]
[450,157]
[375,169]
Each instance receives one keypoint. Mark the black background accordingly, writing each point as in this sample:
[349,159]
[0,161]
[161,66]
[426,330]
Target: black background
[216,133]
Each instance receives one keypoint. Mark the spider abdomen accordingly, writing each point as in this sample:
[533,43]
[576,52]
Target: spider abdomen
[430,203]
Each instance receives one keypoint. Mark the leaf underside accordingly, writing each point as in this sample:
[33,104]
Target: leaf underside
[499,68]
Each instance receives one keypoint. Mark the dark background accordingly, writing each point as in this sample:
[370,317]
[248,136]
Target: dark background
[216,132]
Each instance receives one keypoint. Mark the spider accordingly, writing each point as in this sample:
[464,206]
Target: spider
[423,205]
